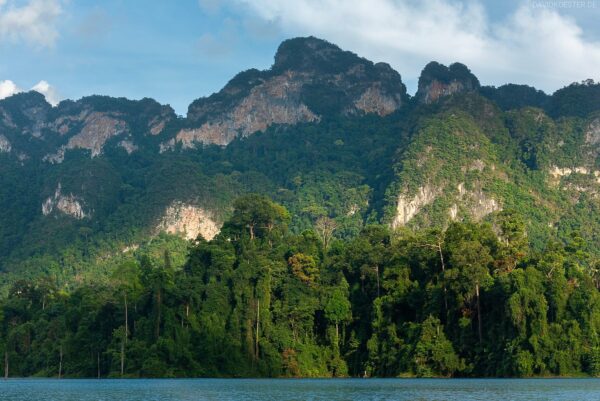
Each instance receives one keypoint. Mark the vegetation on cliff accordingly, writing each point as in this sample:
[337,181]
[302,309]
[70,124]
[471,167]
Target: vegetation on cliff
[258,300]
[440,234]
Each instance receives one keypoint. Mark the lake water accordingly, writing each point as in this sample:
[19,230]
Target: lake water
[284,390]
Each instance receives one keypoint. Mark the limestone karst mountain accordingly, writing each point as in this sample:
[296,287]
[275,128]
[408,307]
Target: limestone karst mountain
[323,131]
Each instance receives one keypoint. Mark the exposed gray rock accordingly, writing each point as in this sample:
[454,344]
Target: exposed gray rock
[189,221]
[67,204]
[5,145]
[309,77]
[437,81]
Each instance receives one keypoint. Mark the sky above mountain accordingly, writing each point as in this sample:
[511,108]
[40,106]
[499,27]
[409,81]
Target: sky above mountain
[177,51]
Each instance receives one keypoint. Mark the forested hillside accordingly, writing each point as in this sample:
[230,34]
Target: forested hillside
[376,219]
[258,300]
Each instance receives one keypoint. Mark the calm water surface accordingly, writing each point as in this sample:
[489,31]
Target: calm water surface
[283,390]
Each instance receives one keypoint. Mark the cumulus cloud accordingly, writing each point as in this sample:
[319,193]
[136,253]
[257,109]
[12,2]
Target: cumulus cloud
[48,91]
[33,21]
[8,87]
[261,29]
[531,45]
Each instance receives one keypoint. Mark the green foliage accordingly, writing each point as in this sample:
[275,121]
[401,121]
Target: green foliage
[304,267]
[577,99]
[434,354]
[497,273]
[456,71]
[350,169]
[256,216]
[511,96]
[466,301]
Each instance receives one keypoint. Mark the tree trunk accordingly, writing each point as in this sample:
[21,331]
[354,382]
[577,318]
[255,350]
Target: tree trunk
[122,357]
[337,334]
[257,324]
[60,363]
[158,302]
[125,334]
[478,313]
[5,365]
[126,318]
[439,246]
[98,363]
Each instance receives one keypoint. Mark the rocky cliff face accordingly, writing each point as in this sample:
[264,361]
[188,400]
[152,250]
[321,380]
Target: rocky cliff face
[4,144]
[70,204]
[275,101]
[29,125]
[592,133]
[408,206]
[188,221]
[437,81]
[310,77]
[465,204]
[96,129]
[94,166]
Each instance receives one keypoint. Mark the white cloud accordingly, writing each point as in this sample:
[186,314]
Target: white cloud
[535,46]
[33,22]
[48,91]
[8,87]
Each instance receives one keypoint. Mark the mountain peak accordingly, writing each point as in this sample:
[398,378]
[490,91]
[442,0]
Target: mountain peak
[26,100]
[310,79]
[24,108]
[437,80]
[306,53]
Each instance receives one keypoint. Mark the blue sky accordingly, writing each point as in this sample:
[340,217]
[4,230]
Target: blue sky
[177,51]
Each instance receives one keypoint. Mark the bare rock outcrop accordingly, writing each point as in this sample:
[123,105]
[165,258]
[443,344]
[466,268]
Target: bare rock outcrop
[310,78]
[474,203]
[6,119]
[157,124]
[97,128]
[556,173]
[374,100]
[437,81]
[408,206]
[276,101]
[5,145]
[480,204]
[128,145]
[68,204]
[592,133]
[189,221]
